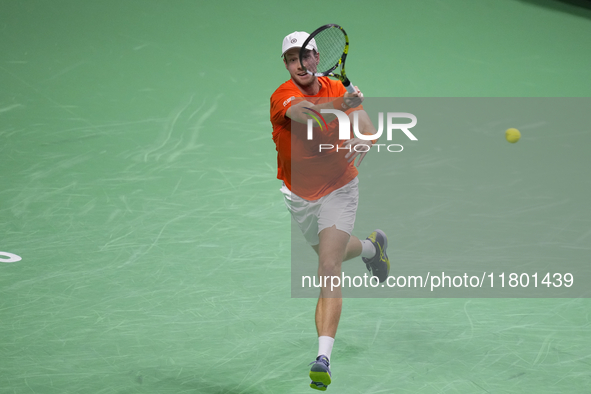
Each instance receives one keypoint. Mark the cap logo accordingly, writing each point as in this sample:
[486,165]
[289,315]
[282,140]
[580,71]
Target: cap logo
[294,40]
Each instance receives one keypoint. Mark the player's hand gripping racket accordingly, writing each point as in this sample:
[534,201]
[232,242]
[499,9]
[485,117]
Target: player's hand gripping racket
[333,44]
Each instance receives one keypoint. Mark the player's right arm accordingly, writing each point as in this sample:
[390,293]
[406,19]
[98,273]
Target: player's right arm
[297,112]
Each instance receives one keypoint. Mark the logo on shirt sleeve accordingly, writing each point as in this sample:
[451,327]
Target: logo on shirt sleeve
[288,100]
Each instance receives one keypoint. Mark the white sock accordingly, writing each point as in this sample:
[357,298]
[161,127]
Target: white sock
[368,250]
[325,346]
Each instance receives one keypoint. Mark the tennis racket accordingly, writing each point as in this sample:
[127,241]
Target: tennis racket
[333,44]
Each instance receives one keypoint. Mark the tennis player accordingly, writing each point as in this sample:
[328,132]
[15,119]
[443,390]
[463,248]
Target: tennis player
[324,199]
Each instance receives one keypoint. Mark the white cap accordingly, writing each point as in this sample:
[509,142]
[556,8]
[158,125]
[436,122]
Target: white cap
[295,40]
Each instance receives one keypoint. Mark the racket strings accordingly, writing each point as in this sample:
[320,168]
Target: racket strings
[331,44]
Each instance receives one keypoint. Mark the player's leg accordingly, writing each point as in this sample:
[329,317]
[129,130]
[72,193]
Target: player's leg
[356,248]
[331,250]
[332,247]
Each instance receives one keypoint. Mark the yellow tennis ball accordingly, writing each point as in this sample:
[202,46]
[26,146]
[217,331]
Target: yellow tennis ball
[512,135]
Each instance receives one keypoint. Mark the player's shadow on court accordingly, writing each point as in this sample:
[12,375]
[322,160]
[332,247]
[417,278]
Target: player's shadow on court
[154,380]
[575,7]
[199,387]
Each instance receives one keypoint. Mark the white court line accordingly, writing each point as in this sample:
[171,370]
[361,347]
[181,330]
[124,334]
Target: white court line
[11,257]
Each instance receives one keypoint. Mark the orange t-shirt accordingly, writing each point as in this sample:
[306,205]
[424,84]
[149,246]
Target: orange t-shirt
[307,171]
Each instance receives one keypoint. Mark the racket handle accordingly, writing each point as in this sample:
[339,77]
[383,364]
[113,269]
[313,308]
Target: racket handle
[349,86]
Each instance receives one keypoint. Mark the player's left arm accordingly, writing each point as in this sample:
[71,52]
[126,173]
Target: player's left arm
[365,127]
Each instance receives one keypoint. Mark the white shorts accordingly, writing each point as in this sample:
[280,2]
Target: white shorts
[335,209]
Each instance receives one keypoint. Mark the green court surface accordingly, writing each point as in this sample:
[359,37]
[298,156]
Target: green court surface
[138,185]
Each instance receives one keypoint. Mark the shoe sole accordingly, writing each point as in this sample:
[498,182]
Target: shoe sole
[318,386]
[385,248]
[320,377]
[383,234]
[385,238]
